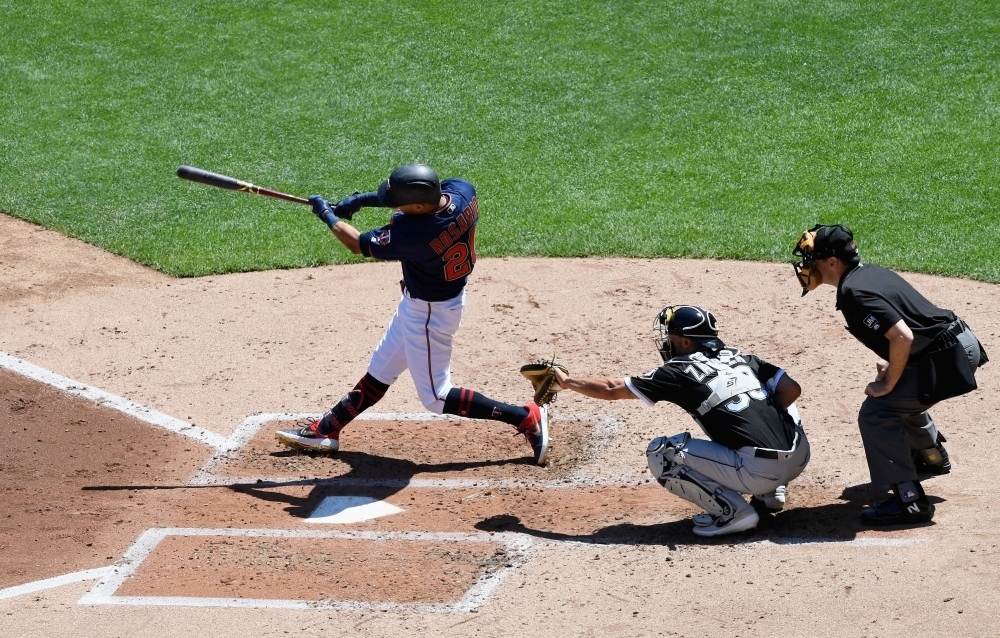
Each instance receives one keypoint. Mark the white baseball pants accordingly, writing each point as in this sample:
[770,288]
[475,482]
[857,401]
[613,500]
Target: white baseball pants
[419,338]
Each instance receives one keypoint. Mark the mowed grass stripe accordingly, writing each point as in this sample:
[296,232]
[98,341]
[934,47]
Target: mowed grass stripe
[700,129]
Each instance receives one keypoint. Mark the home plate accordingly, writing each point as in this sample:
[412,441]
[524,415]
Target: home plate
[350,509]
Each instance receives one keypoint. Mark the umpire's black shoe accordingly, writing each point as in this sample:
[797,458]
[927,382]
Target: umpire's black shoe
[894,511]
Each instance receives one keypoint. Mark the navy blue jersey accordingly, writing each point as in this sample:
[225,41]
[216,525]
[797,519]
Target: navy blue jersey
[437,250]
[728,393]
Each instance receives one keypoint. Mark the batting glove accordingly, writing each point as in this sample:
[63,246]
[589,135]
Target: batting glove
[321,208]
[346,207]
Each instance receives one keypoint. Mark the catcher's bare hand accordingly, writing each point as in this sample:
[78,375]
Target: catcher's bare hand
[542,375]
[560,374]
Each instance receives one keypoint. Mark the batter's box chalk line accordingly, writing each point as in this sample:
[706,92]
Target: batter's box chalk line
[605,427]
[103,593]
[108,400]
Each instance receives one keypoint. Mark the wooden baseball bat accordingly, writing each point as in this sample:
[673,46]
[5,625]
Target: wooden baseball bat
[229,183]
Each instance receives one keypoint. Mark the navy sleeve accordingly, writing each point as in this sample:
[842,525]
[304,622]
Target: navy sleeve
[392,243]
[370,200]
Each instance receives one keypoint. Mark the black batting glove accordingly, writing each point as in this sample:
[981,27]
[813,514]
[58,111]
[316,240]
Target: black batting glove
[346,207]
[321,208]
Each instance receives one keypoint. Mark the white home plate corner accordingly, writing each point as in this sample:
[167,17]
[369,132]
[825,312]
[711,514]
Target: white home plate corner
[350,509]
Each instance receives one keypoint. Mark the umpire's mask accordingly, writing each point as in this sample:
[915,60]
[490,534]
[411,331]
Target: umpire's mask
[822,242]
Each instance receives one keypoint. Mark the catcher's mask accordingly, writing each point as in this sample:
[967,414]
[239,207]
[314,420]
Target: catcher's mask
[822,242]
[692,322]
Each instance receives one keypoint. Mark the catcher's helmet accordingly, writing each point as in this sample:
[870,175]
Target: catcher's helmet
[822,242]
[410,184]
[697,324]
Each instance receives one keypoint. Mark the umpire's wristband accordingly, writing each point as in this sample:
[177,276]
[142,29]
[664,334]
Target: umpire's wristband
[329,218]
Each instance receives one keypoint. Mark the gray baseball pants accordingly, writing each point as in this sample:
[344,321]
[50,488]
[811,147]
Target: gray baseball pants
[896,423]
[742,470]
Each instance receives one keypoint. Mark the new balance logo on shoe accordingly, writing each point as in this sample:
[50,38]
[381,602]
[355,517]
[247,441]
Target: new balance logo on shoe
[913,508]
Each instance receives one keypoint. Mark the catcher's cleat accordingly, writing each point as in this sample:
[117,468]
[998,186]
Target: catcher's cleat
[772,501]
[309,438]
[535,428]
[745,518]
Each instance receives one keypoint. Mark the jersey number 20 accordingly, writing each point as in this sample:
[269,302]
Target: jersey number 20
[459,259]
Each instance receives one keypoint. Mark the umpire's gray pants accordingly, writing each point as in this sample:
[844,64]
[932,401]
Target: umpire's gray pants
[741,470]
[896,423]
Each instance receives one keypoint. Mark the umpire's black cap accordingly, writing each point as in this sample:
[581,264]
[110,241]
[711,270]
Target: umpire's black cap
[410,184]
[834,241]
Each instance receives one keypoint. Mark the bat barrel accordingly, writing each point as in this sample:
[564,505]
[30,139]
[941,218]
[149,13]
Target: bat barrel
[202,176]
[212,179]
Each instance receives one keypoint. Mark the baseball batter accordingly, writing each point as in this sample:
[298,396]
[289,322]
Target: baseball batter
[433,235]
[745,406]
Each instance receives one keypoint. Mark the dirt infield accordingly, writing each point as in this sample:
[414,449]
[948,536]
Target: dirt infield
[222,534]
[295,568]
[55,446]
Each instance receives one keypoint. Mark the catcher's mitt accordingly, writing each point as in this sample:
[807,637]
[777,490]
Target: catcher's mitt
[543,379]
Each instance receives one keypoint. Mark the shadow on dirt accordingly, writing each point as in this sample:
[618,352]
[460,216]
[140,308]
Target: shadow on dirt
[376,476]
[831,523]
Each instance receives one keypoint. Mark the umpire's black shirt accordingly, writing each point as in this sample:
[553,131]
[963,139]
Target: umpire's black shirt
[874,299]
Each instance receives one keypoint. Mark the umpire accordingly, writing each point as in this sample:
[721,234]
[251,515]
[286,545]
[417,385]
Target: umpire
[930,355]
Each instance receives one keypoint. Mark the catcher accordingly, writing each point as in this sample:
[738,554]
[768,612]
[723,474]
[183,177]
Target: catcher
[432,234]
[744,405]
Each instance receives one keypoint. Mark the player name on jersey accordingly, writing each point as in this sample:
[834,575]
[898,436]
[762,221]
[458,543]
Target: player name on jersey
[466,219]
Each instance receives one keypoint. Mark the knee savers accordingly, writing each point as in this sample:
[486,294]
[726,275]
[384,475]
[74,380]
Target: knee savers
[685,483]
[660,453]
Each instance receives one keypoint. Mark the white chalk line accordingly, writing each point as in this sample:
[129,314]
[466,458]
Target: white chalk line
[857,542]
[106,399]
[227,447]
[103,593]
[56,581]
[447,484]
[605,427]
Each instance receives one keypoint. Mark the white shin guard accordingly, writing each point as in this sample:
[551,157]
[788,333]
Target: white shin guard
[703,492]
[719,501]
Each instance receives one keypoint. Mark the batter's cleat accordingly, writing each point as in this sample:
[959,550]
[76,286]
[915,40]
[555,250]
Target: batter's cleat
[893,511]
[774,501]
[745,518]
[309,438]
[535,428]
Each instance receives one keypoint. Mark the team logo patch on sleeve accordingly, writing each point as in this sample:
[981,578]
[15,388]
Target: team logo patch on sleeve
[871,322]
[381,239]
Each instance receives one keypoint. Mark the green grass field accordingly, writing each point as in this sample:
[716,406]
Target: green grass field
[694,128]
